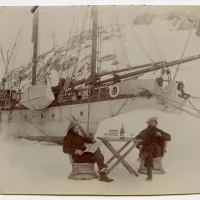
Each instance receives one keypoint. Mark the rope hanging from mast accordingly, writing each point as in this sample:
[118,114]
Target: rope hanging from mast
[113,43]
[100,43]
[198,111]
[132,25]
[155,44]
[80,45]
[127,62]
[120,52]
[85,63]
[68,42]
[190,32]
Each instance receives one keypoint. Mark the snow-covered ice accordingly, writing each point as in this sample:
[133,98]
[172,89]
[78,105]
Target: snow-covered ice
[38,168]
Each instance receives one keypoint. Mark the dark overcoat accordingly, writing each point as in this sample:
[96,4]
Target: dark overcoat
[72,142]
[149,137]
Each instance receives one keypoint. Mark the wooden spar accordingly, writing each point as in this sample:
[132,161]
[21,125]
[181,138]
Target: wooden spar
[130,68]
[88,120]
[35,11]
[146,70]
[94,14]
[94,40]
[153,68]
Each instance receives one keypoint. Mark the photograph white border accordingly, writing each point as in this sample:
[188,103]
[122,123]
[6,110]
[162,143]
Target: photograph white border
[97,2]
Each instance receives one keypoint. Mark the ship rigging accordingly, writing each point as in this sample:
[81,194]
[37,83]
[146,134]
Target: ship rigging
[40,109]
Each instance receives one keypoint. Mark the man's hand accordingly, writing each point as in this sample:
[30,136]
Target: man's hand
[94,141]
[158,134]
[79,152]
[140,146]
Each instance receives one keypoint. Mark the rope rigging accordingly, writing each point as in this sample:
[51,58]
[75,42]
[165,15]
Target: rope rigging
[155,47]
[80,44]
[165,98]
[9,60]
[125,59]
[113,43]
[122,57]
[152,38]
[121,40]
[132,26]
[184,49]
[198,111]
[68,42]
[100,43]
[72,43]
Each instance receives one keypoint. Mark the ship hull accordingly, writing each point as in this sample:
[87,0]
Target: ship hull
[53,121]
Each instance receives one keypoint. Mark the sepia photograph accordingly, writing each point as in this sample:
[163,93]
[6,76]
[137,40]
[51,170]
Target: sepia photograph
[100,100]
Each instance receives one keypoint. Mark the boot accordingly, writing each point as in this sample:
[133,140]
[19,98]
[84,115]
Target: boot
[104,178]
[149,174]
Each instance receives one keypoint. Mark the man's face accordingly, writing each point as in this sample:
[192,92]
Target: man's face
[76,129]
[152,124]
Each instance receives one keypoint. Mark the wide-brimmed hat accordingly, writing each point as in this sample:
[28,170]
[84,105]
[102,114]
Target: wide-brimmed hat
[72,124]
[152,119]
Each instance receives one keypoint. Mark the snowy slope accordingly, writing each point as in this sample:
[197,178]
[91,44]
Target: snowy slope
[37,168]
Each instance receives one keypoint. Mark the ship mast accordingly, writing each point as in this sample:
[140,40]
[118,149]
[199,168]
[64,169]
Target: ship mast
[94,42]
[35,11]
[94,14]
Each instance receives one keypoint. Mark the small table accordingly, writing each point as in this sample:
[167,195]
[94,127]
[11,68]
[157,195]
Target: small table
[116,154]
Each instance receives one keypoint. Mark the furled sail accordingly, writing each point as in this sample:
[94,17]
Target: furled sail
[167,95]
[37,97]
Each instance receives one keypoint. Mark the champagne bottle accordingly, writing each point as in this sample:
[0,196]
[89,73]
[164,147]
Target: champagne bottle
[122,132]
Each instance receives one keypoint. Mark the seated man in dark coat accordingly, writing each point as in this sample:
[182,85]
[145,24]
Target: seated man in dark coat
[75,145]
[152,145]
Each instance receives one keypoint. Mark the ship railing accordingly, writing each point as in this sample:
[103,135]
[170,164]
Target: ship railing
[5,104]
[82,93]
[8,99]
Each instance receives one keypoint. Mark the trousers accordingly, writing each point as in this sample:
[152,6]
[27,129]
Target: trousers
[152,151]
[87,157]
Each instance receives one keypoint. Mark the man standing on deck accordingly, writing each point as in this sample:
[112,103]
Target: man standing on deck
[116,78]
[76,145]
[152,145]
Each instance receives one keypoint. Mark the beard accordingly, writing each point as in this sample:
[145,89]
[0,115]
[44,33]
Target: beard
[75,131]
[151,127]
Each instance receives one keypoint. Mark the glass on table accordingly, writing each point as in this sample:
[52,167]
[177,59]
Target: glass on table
[106,134]
[132,134]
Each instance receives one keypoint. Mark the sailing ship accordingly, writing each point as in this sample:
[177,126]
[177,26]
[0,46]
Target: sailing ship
[44,111]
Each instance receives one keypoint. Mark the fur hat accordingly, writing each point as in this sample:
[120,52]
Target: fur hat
[152,119]
[72,124]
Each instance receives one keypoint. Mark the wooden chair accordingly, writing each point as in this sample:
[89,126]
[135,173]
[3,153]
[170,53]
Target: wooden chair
[157,162]
[82,171]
